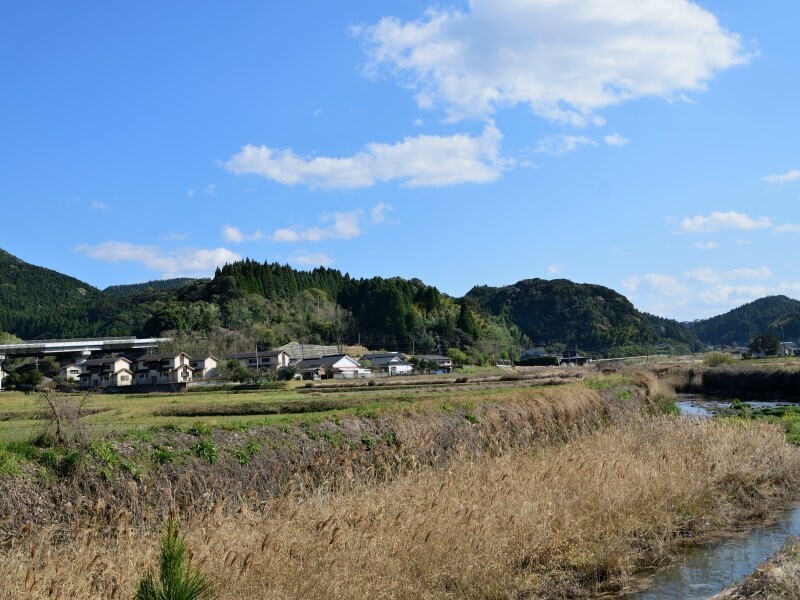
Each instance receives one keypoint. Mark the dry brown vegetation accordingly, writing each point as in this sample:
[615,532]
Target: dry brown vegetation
[779,577]
[558,520]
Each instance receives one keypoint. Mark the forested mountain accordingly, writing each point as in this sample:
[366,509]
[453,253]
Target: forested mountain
[250,304]
[777,314]
[35,301]
[557,313]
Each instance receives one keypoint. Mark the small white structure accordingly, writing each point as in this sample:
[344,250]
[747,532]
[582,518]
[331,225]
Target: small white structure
[104,372]
[325,367]
[205,367]
[155,369]
[71,373]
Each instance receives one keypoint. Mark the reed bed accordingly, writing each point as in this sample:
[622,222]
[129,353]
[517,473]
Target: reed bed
[564,520]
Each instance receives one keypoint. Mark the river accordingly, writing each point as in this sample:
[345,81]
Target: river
[707,569]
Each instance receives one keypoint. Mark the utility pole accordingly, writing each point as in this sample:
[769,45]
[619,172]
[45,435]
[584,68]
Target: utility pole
[2,358]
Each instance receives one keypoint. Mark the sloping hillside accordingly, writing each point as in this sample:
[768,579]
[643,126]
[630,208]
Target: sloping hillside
[39,302]
[778,314]
[560,312]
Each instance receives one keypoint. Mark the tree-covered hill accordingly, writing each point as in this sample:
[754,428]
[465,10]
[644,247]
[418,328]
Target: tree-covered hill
[38,302]
[249,304]
[558,314]
[777,314]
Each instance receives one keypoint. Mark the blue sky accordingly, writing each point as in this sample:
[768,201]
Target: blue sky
[647,145]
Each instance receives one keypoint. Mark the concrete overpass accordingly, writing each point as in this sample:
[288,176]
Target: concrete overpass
[80,348]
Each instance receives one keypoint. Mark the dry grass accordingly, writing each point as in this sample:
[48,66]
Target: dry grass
[779,577]
[557,521]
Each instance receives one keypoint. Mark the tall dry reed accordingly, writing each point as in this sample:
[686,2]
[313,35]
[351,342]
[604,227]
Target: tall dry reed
[558,521]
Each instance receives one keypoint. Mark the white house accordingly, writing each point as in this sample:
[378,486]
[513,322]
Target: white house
[155,369]
[205,367]
[337,365]
[438,362]
[392,363]
[268,360]
[104,372]
[71,372]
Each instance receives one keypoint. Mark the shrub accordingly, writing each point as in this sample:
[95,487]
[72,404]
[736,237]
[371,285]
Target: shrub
[178,579]
[206,449]
[716,359]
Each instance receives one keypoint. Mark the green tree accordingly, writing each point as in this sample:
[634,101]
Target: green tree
[178,579]
[767,343]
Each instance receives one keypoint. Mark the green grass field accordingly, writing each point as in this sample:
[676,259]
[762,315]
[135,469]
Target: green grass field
[22,415]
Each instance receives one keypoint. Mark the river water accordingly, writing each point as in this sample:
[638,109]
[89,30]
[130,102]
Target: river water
[705,570]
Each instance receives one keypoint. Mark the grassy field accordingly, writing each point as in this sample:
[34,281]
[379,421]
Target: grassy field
[22,415]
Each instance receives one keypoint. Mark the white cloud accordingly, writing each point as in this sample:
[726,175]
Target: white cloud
[565,59]
[236,235]
[616,140]
[378,212]
[170,263]
[338,226]
[787,177]
[665,285]
[311,259]
[562,144]
[706,275]
[425,160]
[98,206]
[705,245]
[732,294]
[555,269]
[722,220]
[788,228]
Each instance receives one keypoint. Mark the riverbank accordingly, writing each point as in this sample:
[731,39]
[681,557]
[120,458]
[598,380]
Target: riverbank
[779,577]
[551,492]
[745,379]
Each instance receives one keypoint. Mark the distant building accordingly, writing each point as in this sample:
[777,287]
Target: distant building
[204,367]
[298,352]
[438,362]
[336,365]
[155,369]
[105,372]
[70,372]
[393,363]
[262,361]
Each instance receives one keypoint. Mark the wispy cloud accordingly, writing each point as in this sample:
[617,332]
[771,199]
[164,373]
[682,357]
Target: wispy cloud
[237,236]
[338,226]
[555,269]
[732,294]
[787,228]
[425,160]
[787,177]
[665,285]
[705,245]
[562,144]
[707,275]
[379,212]
[717,221]
[616,140]
[311,259]
[564,63]
[174,237]
[170,263]
[98,206]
